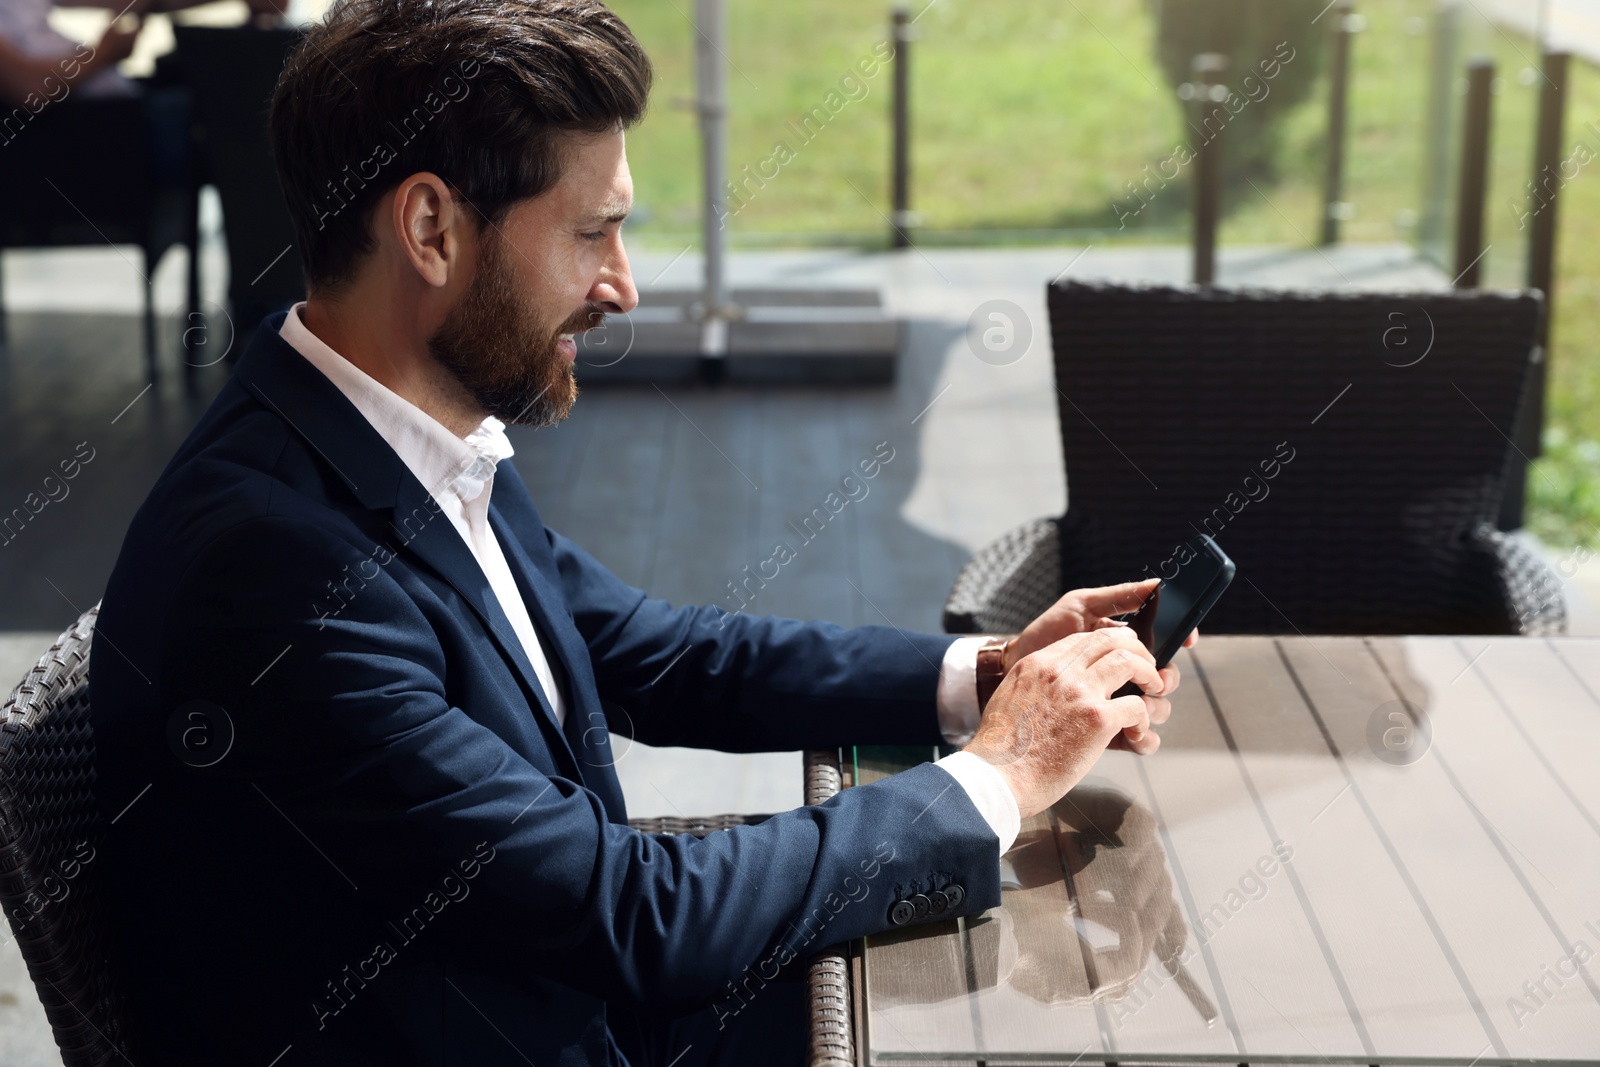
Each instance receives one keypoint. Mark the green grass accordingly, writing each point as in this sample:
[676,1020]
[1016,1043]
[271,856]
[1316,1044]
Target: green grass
[1029,117]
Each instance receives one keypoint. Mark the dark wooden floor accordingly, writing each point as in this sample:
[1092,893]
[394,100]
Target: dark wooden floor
[678,490]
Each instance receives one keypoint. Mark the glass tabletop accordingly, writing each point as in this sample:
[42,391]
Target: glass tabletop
[1347,850]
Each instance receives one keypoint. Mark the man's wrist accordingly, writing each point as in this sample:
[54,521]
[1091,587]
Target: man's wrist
[991,668]
[991,792]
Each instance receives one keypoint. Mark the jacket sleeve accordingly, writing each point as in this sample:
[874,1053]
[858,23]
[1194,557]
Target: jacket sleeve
[344,724]
[701,677]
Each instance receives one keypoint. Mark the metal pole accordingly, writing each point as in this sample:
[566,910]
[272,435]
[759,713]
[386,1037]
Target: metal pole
[1433,236]
[900,215]
[1541,205]
[1547,181]
[1346,25]
[1473,190]
[1208,93]
[711,83]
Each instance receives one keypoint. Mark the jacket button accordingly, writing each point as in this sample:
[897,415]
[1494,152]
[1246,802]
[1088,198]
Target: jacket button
[920,905]
[938,903]
[901,913]
[955,895]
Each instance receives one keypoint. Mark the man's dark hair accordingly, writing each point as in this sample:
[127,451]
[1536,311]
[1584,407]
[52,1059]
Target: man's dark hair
[478,92]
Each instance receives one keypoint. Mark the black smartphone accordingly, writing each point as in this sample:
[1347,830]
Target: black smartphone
[1201,571]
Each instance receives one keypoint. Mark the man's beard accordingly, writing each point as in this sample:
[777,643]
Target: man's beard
[503,351]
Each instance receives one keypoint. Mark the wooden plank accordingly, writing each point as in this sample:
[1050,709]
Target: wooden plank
[1580,658]
[1487,922]
[1259,958]
[799,465]
[70,378]
[917,987]
[548,460]
[708,492]
[1397,979]
[1501,696]
[905,570]
[618,483]
[1032,983]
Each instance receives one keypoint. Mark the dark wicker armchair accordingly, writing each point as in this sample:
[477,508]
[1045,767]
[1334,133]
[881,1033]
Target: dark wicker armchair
[50,832]
[79,174]
[1347,449]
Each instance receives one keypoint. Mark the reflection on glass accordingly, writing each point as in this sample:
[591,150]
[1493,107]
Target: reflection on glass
[1088,906]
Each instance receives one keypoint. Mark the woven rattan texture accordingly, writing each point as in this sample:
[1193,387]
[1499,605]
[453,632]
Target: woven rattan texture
[1531,589]
[1008,583]
[50,833]
[828,974]
[1383,420]
[698,825]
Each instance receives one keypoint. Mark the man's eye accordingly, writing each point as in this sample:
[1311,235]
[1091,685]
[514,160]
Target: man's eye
[598,235]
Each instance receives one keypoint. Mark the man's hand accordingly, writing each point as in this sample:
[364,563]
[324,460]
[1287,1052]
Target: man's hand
[1053,713]
[1089,609]
[116,44]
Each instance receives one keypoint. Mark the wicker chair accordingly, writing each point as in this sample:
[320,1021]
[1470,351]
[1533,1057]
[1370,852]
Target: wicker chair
[51,830]
[81,168]
[1176,402]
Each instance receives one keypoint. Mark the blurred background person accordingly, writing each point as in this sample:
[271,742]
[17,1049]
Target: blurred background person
[40,65]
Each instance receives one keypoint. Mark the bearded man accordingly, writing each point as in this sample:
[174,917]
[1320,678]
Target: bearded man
[351,714]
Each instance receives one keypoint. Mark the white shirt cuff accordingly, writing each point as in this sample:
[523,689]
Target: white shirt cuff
[958,690]
[989,793]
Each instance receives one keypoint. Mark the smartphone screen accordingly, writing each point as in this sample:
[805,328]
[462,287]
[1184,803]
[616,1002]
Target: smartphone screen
[1181,601]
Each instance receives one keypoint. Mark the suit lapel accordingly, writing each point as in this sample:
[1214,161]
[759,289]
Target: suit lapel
[511,510]
[436,542]
[314,408]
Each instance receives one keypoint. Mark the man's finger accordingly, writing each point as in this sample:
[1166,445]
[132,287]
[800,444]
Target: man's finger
[1130,715]
[1136,737]
[1121,665]
[1082,650]
[1116,599]
[1148,742]
[1170,677]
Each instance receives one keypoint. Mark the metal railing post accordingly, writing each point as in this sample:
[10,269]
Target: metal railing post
[1473,190]
[712,105]
[1334,209]
[1544,194]
[900,218]
[1207,91]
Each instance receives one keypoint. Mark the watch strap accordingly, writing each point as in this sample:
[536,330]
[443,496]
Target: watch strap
[991,669]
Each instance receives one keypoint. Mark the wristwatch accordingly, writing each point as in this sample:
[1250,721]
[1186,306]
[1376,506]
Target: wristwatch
[991,668]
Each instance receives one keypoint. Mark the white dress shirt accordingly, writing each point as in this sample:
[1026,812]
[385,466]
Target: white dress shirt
[459,474]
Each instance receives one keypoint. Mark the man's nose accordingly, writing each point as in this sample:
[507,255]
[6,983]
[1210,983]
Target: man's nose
[614,289]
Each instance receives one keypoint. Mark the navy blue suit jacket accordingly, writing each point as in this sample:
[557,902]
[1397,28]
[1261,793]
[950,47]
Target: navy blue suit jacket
[347,822]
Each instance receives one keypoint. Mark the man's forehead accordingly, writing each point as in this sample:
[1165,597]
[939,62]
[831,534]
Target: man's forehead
[613,208]
[595,184]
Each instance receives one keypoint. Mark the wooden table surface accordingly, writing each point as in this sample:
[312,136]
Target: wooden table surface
[1347,850]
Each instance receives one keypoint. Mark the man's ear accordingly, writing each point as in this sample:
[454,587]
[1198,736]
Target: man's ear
[431,228]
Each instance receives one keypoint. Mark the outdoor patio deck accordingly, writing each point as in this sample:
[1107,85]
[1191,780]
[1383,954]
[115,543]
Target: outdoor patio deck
[678,490]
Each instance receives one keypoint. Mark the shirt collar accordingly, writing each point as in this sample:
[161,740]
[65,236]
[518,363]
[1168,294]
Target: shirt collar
[439,459]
